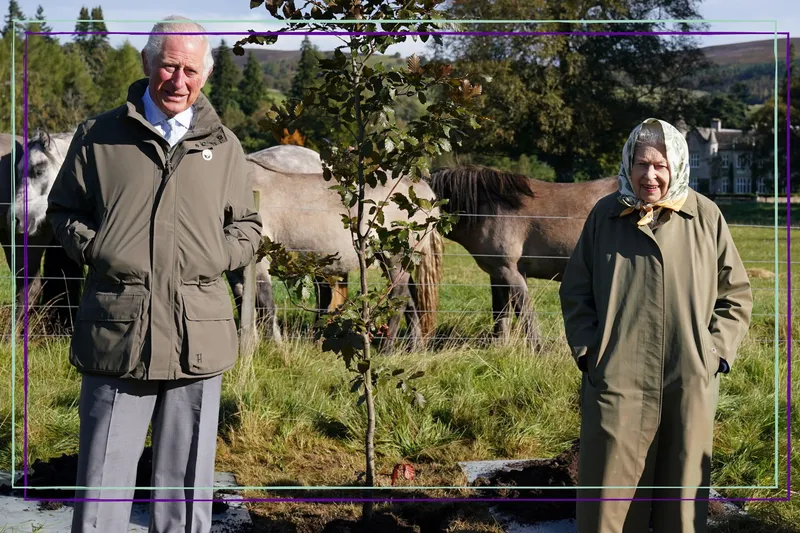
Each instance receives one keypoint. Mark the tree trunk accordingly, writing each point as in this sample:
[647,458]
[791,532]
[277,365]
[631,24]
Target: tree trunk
[369,437]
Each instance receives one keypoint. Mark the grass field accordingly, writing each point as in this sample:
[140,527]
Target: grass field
[292,421]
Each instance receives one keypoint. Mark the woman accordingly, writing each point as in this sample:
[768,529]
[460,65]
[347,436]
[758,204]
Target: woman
[656,302]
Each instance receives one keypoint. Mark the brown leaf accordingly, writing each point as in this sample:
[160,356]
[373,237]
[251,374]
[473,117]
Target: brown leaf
[413,64]
[402,468]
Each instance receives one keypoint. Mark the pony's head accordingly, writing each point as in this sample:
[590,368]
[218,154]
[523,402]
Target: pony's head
[45,153]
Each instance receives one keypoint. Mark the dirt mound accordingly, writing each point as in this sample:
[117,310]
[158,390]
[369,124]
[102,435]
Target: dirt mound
[561,471]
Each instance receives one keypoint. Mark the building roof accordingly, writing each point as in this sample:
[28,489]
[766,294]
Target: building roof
[726,139]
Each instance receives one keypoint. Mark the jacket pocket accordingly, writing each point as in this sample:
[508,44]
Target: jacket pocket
[108,333]
[94,245]
[211,339]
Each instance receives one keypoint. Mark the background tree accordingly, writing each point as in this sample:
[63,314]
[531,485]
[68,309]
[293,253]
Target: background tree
[307,76]
[82,27]
[14,12]
[252,90]
[553,95]
[377,151]
[314,125]
[123,66]
[41,25]
[224,79]
[732,111]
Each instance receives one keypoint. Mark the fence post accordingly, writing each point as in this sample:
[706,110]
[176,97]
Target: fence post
[248,332]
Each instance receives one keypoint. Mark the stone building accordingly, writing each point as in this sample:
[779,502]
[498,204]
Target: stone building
[720,160]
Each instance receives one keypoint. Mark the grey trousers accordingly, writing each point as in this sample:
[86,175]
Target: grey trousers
[114,417]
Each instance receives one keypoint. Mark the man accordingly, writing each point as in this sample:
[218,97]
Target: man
[154,197]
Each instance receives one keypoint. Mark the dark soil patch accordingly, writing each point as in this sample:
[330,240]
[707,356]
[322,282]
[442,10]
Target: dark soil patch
[50,506]
[63,471]
[561,471]
[385,523]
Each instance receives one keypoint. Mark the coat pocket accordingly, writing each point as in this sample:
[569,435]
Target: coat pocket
[709,353]
[211,339]
[108,334]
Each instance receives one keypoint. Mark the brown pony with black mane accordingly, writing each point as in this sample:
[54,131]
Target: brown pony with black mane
[516,227]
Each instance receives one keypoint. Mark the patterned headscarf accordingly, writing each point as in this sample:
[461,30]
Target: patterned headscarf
[678,160]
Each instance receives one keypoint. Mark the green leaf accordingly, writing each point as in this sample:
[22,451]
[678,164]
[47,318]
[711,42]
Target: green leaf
[416,375]
[388,145]
[363,366]
[356,385]
[397,372]
[255,3]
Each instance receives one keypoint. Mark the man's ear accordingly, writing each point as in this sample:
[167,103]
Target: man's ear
[145,65]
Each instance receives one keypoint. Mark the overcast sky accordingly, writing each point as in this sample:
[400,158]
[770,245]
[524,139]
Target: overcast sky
[787,13]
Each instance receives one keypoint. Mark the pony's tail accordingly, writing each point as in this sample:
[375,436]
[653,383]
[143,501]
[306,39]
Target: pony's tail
[429,273]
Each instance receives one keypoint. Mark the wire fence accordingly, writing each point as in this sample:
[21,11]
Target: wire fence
[284,307]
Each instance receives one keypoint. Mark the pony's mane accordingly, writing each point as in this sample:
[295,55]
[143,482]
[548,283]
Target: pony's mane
[41,139]
[467,188]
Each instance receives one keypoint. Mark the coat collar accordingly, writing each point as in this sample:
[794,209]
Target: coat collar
[688,209]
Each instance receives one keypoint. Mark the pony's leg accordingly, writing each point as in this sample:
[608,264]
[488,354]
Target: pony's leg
[61,289]
[338,294]
[265,301]
[35,254]
[524,308]
[403,288]
[501,308]
[324,298]
[236,282]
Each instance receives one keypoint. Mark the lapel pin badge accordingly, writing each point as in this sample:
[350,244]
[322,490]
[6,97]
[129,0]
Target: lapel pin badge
[207,154]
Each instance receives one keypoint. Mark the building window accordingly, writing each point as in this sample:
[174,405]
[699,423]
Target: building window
[742,161]
[742,186]
[762,186]
[693,183]
[725,160]
[722,185]
[694,160]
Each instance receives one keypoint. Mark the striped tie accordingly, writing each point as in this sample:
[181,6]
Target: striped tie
[170,133]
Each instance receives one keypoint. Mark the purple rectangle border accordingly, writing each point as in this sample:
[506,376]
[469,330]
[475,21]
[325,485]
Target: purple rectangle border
[424,500]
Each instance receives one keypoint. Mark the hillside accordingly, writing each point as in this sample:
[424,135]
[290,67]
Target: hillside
[750,53]
[751,64]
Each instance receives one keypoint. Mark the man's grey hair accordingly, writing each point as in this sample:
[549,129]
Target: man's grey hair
[651,134]
[155,43]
